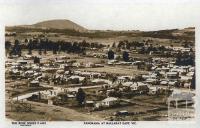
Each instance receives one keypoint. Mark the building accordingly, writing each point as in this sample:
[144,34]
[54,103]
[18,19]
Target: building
[34,83]
[177,99]
[172,75]
[110,101]
[153,90]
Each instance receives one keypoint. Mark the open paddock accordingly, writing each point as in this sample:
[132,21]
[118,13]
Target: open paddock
[116,70]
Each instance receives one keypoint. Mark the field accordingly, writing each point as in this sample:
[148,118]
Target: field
[141,104]
[105,41]
[53,113]
[131,70]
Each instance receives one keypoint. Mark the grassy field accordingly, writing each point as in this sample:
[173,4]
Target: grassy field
[105,41]
[132,108]
[116,70]
[53,113]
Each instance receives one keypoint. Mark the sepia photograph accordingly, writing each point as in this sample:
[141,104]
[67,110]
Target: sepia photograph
[100,61]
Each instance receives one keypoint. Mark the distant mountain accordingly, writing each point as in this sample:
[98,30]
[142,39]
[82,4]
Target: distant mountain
[60,24]
[56,24]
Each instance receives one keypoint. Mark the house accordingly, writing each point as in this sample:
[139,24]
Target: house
[165,69]
[171,64]
[139,87]
[143,89]
[122,79]
[76,64]
[29,73]
[89,65]
[153,90]
[164,82]
[71,96]
[45,94]
[36,74]
[63,57]
[15,72]
[64,66]
[111,62]
[35,67]
[110,101]
[121,113]
[186,78]
[190,74]
[22,62]
[127,84]
[9,63]
[89,103]
[191,69]
[50,102]
[187,85]
[101,81]
[60,71]
[80,78]
[98,105]
[60,61]
[98,65]
[27,57]
[19,84]
[95,75]
[151,80]
[48,94]
[34,83]
[173,83]
[172,75]
[179,98]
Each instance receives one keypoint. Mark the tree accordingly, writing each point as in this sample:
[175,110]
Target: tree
[184,59]
[111,55]
[40,51]
[16,48]
[125,56]
[59,49]
[120,44]
[55,48]
[80,96]
[36,60]
[193,81]
[114,45]
[30,47]
[85,82]
[45,45]
[26,41]
[115,93]
[63,96]
[55,100]
[7,46]
[114,78]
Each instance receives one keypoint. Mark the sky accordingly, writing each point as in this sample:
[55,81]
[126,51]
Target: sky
[104,14]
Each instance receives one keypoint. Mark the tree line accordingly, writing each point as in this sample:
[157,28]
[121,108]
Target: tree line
[48,45]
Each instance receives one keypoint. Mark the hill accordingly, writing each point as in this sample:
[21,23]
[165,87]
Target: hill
[69,28]
[59,24]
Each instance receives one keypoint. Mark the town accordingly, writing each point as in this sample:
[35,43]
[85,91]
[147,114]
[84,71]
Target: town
[137,80]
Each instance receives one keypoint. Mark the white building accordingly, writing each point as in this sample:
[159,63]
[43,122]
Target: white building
[110,101]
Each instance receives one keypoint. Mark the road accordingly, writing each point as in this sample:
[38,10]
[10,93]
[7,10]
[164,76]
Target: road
[27,95]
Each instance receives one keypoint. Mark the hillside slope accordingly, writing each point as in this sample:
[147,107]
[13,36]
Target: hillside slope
[59,24]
